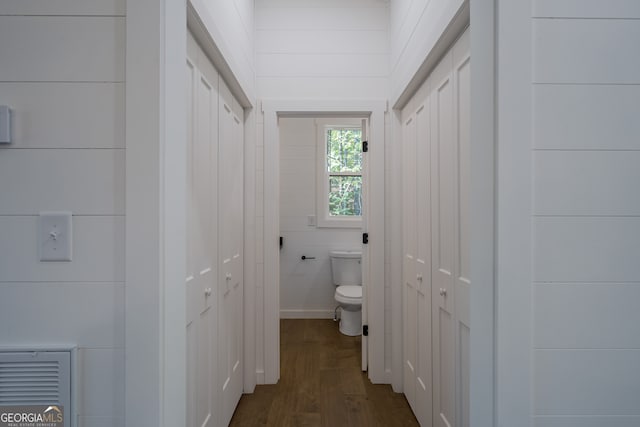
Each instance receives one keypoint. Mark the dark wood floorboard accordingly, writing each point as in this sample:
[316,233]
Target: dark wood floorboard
[321,384]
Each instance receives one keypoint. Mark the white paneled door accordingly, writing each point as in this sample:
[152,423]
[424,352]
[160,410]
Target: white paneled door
[409,308]
[214,283]
[462,128]
[417,262]
[423,266]
[436,169]
[443,219]
[202,138]
[231,236]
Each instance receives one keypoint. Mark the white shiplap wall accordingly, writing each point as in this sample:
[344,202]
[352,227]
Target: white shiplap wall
[415,27]
[231,25]
[322,49]
[306,288]
[62,73]
[586,213]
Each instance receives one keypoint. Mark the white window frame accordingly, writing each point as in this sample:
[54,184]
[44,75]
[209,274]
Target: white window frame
[323,219]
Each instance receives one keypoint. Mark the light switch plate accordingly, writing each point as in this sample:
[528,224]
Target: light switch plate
[55,236]
[311,220]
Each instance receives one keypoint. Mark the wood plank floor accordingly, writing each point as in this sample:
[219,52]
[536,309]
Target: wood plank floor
[321,384]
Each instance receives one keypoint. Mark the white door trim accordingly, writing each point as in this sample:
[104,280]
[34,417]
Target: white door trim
[482,369]
[155,308]
[514,226]
[376,110]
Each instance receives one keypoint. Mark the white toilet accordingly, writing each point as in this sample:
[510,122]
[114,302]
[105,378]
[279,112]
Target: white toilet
[346,271]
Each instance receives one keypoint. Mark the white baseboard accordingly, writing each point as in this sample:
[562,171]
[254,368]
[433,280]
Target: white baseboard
[260,377]
[306,314]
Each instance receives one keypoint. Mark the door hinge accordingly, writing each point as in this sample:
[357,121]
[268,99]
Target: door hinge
[365,238]
[365,146]
[365,330]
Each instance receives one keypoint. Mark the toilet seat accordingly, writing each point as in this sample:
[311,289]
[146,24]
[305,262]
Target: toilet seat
[349,294]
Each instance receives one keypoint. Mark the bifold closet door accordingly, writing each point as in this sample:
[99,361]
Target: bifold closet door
[450,146]
[230,228]
[202,141]
[424,369]
[436,169]
[443,174]
[417,368]
[409,288]
[462,121]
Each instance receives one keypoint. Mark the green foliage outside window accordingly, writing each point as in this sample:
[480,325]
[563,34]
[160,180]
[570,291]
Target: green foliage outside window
[344,164]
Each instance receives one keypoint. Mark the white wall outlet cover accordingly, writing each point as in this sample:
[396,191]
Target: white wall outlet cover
[55,236]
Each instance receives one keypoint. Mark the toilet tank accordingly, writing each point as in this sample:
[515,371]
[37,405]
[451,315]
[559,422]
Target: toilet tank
[346,268]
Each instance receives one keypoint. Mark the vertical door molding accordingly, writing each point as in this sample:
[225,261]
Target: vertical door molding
[482,379]
[514,213]
[155,335]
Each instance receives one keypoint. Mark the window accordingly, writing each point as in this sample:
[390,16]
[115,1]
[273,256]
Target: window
[339,173]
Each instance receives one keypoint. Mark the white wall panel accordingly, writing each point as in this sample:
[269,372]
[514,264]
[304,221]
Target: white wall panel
[586,182]
[402,31]
[295,222]
[54,311]
[230,25]
[303,206]
[296,65]
[586,116]
[62,7]
[315,4]
[66,115]
[303,153]
[85,182]
[586,9]
[98,251]
[586,382]
[581,51]
[322,42]
[587,421]
[67,120]
[605,315]
[234,26]
[397,15]
[311,50]
[416,38]
[102,374]
[322,87]
[586,228]
[586,249]
[334,238]
[293,167]
[62,48]
[299,196]
[321,18]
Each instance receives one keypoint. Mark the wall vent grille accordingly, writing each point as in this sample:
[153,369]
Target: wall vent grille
[36,378]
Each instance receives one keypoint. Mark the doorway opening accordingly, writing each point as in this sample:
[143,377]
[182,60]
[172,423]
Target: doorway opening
[283,121]
[323,206]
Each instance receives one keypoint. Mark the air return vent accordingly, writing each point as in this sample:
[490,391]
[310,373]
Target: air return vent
[37,378]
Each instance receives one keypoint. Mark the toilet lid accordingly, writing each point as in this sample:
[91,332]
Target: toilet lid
[349,294]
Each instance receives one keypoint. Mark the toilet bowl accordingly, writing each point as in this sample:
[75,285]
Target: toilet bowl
[346,272]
